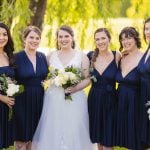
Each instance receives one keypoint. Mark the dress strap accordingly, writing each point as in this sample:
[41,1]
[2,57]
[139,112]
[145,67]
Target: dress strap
[114,53]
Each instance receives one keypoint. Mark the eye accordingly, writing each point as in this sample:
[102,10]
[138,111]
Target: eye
[66,36]
[5,34]
[123,39]
[146,29]
[96,39]
[60,36]
[31,37]
[103,38]
[37,38]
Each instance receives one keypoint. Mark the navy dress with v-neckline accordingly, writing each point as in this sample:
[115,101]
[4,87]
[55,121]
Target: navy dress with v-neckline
[28,105]
[5,124]
[144,69]
[102,105]
[128,109]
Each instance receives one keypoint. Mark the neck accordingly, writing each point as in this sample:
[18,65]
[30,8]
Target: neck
[30,52]
[66,50]
[134,51]
[2,51]
[106,52]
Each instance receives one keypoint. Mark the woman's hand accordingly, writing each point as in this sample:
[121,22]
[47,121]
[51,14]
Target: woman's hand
[71,89]
[9,101]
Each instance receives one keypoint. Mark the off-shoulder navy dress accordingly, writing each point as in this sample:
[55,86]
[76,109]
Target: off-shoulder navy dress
[5,124]
[102,105]
[144,69]
[128,109]
[28,105]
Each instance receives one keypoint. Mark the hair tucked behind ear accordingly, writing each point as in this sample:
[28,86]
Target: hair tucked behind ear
[94,56]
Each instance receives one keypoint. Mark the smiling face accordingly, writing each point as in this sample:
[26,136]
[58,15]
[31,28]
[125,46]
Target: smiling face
[102,41]
[147,32]
[32,41]
[64,40]
[128,43]
[3,37]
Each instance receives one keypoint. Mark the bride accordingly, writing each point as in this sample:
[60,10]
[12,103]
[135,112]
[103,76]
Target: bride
[64,124]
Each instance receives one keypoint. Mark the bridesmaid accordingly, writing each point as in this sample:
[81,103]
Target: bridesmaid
[144,68]
[102,95]
[7,65]
[31,71]
[128,90]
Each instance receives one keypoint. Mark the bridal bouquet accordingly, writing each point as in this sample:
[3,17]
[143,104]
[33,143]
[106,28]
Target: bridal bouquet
[52,73]
[65,78]
[10,88]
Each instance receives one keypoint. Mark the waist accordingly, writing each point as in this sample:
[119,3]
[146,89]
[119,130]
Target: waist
[31,82]
[145,77]
[107,87]
[128,85]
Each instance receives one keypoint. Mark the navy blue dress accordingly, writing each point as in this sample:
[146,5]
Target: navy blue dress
[102,106]
[144,69]
[128,109]
[28,105]
[5,125]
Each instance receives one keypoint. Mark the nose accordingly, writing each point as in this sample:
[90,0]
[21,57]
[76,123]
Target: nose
[1,36]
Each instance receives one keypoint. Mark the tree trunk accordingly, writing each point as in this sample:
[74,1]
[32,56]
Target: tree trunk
[38,8]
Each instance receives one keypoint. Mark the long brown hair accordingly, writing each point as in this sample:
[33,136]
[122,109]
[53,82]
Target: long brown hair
[146,21]
[9,47]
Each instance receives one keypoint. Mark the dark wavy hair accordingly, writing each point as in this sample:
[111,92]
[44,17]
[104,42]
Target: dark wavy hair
[9,47]
[68,30]
[96,50]
[146,21]
[129,32]
[31,28]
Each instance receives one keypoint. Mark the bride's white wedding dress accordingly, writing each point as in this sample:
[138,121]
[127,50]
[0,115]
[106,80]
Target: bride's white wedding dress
[63,124]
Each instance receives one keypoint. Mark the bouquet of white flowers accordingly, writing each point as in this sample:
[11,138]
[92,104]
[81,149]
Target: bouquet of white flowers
[10,88]
[52,73]
[65,78]
[148,110]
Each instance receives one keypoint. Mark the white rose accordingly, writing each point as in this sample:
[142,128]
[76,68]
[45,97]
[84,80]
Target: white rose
[57,81]
[60,80]
[72,76]
[12,89]
[66,76]
[63,79]
[148,111]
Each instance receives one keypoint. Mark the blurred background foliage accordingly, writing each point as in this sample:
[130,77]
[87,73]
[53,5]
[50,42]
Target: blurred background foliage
[85,16]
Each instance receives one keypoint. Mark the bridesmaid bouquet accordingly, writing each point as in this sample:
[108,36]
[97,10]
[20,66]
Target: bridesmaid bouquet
[148,110]
[64,78]
[10,88]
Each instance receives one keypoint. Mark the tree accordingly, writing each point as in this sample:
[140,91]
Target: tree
[37,8]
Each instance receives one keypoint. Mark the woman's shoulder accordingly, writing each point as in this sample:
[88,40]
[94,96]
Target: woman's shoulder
[90,54]
[117,56]
[19,54]
[41,55]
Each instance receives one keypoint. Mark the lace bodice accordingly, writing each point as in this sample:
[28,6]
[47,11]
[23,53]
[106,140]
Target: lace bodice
[55,62]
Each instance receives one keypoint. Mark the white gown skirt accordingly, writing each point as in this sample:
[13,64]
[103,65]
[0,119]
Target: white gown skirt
[63,124]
